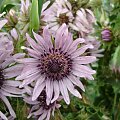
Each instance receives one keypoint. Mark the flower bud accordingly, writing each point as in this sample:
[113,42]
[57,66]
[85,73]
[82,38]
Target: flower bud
[14,34]
[12,18]
[106,35]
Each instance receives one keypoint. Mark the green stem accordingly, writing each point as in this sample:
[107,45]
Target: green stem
[114,104]
[117,115]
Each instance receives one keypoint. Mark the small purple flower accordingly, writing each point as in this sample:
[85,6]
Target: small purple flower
[96,51]
[61,11]
[106,35]
[39,108]
[56,64]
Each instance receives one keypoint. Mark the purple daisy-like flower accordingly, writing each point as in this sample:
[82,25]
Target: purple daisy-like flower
[96,51]
[80,20]
[56,64]
[40,109]
[60,12]
[84,21]
[9,87]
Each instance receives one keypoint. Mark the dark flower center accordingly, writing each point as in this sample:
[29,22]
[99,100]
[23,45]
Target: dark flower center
[42,100]
[63,19]
[55,64]
[1,78]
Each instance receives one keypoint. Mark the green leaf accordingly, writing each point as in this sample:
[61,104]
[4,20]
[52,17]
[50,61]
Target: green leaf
[7,7]
[40,4]
[34,16]
[1,2]
[116,57]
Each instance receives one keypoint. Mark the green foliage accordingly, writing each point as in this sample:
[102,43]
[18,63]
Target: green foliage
[34,16]
[6,5]
[116,58]
[21,109]
[40,4]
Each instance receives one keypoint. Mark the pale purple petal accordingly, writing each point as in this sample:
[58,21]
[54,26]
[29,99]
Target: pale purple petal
[71,88]
[37,91]
[64,92]
[81,50]
[8,105]
[56,91]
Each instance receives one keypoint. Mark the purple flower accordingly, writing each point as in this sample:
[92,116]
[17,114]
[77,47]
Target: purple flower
[8,87]
[39,108]
[61,11]
[84,21]
[106,35]
[96,51]
[56,64]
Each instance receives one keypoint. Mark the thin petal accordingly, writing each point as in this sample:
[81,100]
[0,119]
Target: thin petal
[64,92]
[76,81]
[84,60]
[56,91]
[71,88]
[8,105]
[38,91]
[3,116]
[81,50]
[49,91]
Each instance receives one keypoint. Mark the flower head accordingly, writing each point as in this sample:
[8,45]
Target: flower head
[96,51]
[57,14]
[56,64]
[84,21]
[61,11]
[39,108]
[9,87]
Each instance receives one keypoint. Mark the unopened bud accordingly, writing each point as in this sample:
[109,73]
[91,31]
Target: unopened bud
[12,18]
[106,35]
